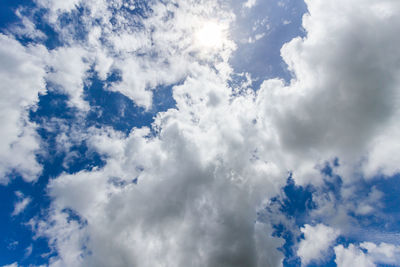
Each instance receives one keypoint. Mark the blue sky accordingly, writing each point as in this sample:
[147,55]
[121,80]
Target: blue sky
[199,133]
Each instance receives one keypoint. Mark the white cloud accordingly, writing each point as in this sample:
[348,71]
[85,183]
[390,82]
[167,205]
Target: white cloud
[188,206]
[383,253]
[22,78]
[68,69]
[256,38]
[317,240]
[27,28]
[352,256]
[58,6]
[344,94]
[21,204]
[249,3]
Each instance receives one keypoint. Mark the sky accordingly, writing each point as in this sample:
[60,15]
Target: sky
[218,133]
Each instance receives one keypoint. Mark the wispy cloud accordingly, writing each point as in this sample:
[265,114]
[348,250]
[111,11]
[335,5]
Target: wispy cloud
[21,203]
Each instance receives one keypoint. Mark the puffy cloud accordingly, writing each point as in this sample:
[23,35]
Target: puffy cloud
[367,254]
[345,91]
[203,214]
[383,253]
[352,256]
[317,240]
[67,73]
[22,74]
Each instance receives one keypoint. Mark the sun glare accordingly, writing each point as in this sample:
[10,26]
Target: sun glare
[210,35]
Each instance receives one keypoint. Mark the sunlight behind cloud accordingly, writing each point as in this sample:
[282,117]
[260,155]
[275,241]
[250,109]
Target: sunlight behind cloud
[210,35]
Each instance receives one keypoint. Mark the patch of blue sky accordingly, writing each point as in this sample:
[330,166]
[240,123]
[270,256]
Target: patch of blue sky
[287,249]
[74,20]
[7,11]
[384,224]
[9,20]
[296,203]
[260,33]
[328,262]
[15,232]
[114,109]
[140,8]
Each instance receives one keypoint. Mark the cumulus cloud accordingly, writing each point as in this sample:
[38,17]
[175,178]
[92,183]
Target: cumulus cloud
[383,253]
[352,256]
[342,97]
[317,240]
[67,75]
[367,254]
[202,214]
[22,72]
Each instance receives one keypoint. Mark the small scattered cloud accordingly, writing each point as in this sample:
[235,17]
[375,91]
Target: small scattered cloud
[249,3]
[256,38]
[21,204]
[28,251]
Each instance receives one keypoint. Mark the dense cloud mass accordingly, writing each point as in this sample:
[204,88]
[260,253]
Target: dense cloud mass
[201,185]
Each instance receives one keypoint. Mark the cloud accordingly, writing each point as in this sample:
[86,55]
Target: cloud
[67,75]
[21,204]
[249,3]
[352,256]
[344,94]
[22,72]
[382,253]
[204,212]
[190,190]
[317,240]
[28,251]
[367,254]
